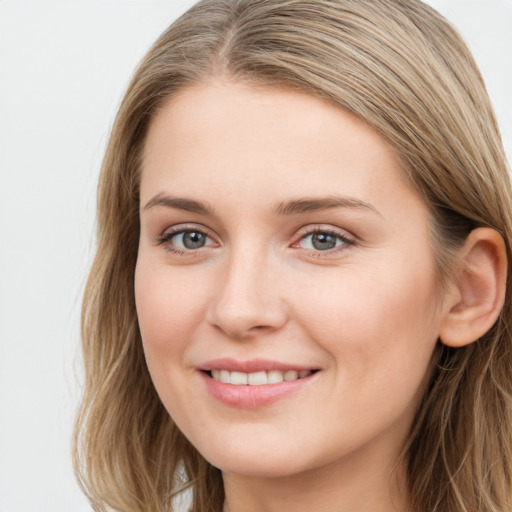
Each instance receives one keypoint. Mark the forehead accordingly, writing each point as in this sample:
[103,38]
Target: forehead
[260,144]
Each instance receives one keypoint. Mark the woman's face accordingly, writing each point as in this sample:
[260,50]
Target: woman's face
[285,283]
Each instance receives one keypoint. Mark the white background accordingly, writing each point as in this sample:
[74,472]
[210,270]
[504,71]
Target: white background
[63,68]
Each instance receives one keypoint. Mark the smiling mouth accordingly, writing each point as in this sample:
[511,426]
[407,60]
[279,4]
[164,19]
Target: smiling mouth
[259,378]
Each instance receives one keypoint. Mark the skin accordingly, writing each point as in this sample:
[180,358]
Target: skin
[366,314]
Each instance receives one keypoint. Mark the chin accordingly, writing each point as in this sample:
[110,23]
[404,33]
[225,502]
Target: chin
[259,469]
[259,462]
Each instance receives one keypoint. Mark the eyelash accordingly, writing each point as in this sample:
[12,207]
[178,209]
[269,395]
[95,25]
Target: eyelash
[165,239]
[346,241]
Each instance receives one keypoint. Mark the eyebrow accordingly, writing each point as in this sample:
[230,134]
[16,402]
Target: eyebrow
[293,207]
[306,205]
[179,203]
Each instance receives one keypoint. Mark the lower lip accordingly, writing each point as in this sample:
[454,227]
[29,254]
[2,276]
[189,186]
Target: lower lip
[253,397]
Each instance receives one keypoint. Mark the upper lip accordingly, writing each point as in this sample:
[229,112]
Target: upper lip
[250,366]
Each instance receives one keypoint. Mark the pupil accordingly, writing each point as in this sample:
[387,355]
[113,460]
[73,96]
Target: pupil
[193,240]
[323,241]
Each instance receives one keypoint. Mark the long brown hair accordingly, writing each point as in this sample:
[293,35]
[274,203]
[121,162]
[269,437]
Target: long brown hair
[404,70]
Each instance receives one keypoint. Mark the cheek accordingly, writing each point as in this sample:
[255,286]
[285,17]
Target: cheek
[375,324]
[168,308]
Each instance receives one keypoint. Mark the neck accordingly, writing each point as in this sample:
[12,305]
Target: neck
[354,487]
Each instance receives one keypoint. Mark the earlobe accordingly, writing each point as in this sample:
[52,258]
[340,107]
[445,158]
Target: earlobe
[478,294]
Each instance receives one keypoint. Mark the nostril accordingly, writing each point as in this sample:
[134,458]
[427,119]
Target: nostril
[260,329]
[247,319]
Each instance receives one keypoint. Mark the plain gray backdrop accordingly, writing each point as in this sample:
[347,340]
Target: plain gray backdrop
[63,68]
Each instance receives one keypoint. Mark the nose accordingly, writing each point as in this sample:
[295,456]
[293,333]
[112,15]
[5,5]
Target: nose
[249,299]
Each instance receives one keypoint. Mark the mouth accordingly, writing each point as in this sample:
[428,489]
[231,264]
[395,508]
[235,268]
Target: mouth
[259,378]
[256,383]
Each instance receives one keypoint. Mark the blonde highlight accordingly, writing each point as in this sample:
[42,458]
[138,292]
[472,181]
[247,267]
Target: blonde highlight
[404,70]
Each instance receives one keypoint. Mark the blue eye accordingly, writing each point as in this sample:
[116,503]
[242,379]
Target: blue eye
[323,241]
[190,240]
[182,240]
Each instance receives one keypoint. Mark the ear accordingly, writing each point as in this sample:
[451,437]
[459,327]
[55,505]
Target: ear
[474,301]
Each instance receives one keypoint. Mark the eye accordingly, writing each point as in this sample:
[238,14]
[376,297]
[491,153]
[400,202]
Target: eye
[182,240]
[190,240]
[323,241]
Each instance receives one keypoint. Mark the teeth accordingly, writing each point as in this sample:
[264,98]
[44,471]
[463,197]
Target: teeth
[238,378]
[291,375]
[275,377]
[258,378]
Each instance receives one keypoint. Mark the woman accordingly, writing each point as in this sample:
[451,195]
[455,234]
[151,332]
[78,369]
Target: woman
[300,296]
